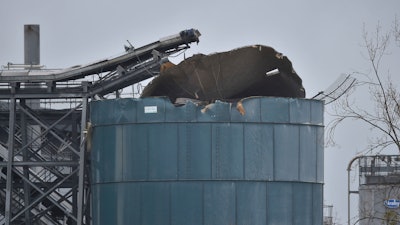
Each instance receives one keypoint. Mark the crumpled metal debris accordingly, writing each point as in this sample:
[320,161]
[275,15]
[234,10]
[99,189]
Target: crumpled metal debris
[248,71]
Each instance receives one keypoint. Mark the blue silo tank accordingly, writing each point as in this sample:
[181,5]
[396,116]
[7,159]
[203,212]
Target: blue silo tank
[155,163]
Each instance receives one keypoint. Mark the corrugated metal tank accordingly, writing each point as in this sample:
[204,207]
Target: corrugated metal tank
[154,163]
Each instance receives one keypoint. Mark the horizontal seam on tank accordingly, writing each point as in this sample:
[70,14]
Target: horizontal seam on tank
[197,180]
[210,122]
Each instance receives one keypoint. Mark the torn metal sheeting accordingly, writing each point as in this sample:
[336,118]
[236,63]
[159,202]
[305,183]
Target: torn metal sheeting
[248,71]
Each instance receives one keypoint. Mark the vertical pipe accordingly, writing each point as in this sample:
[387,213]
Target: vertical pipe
[348,186]
[32,44]
[82,161]
[11,133]
[32,56]
[348,196]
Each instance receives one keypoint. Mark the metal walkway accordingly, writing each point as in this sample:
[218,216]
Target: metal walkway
[44,171]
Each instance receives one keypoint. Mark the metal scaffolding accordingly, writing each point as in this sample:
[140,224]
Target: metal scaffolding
[44,163]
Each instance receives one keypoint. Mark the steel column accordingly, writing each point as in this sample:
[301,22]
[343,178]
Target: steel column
[81,175]
[8,213]
[25,157]
[75,121]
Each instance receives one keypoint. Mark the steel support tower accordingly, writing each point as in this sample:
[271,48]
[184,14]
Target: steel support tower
[45,129]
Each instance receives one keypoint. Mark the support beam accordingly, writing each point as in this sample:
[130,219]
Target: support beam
[41,163]
[25,157]
[8,213]
[81,176]
[46,195]
[48,128]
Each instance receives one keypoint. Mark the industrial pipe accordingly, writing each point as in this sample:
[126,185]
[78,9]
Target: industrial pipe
[348,187]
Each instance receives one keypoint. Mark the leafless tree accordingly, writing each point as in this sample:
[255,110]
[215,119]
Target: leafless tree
[384,116]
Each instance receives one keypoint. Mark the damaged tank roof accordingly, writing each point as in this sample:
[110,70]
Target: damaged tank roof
[248,71]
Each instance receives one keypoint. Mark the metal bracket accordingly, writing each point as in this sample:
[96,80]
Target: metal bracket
[121,70]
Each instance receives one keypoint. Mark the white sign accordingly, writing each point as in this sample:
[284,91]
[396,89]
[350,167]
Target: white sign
[150,109]
[392,203]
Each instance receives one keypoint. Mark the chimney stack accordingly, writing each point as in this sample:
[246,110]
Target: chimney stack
[32,44]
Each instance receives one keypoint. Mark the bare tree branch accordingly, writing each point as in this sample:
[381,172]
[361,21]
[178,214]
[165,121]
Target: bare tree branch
[384,117]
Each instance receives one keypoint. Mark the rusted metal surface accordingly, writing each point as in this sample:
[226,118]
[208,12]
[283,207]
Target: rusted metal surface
[248,71]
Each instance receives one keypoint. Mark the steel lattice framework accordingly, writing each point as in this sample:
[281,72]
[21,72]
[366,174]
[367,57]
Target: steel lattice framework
[45,177]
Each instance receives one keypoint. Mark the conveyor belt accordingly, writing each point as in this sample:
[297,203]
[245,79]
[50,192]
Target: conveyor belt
[148,55]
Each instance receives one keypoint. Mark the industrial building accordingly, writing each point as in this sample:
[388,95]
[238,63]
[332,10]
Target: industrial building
[73,152]
[379,189]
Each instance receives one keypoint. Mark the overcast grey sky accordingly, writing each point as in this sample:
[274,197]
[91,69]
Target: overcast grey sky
[323,39]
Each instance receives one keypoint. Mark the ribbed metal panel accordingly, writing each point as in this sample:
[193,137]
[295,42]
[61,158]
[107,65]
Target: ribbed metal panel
[154,163]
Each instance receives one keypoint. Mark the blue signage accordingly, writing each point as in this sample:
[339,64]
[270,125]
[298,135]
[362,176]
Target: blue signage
[392,203]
